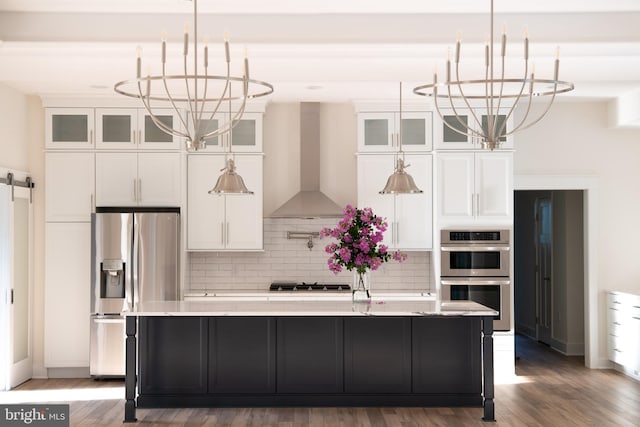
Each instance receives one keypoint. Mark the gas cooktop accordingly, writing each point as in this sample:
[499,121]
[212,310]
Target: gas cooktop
[309,287]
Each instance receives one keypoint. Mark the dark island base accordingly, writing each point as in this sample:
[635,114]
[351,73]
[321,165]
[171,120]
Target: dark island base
[315,361]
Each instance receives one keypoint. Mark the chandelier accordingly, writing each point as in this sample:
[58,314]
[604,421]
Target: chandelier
[400,182]
[195,95]
[491,97]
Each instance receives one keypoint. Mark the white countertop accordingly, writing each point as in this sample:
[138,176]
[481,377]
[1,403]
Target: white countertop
[248,295]
[222,307]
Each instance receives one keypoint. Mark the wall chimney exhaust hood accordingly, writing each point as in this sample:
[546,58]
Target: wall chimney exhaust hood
[309,202]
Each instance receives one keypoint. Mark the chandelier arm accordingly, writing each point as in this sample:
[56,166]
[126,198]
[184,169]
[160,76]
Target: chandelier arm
[466,101]
[488,96]
[173,104]
[204,94]
[227,88]
[544,113]
[189,102]
[503,126]
[244,103]
[154,119]
[458,131]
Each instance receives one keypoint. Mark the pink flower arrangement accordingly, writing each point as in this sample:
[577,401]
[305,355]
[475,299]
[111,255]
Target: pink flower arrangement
[359,246]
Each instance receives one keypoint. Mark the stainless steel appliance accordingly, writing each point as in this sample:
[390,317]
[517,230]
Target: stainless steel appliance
[135,258]
[474,253]
[475,265]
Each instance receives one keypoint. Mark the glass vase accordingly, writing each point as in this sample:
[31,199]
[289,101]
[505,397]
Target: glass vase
[361,287]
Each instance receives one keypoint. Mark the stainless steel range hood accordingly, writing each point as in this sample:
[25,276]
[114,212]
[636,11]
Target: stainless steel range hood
[309,202]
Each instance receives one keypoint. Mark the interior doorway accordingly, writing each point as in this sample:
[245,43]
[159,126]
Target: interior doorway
[549,268]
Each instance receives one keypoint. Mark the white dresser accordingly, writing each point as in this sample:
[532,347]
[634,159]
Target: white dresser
[623,327]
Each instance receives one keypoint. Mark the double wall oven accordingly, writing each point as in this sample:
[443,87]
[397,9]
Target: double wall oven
[475,265]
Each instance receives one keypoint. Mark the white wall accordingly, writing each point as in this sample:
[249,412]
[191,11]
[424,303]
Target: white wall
[574,140]
[14,142]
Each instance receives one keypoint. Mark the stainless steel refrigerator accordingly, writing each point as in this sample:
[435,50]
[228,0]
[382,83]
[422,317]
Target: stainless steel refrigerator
[135,258]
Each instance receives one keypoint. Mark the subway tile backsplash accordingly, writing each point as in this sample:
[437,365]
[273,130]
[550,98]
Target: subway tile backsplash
[292,261]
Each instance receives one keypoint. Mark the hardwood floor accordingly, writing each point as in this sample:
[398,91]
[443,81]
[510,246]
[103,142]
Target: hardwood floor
[551,390]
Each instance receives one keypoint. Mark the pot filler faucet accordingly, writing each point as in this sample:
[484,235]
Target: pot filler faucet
[305,235]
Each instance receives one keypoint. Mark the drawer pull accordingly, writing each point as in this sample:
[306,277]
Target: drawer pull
[617,323]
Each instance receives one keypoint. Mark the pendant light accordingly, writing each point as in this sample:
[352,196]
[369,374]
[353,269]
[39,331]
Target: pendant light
[230,182]
[399,181]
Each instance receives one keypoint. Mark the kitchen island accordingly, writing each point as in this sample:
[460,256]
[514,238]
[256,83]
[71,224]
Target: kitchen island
[309,353]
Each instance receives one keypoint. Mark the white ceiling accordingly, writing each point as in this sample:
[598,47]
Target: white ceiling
[350,49]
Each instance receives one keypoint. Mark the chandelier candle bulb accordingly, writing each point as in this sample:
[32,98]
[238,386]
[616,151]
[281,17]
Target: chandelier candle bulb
[486,54]
[448,65]
[206,52]
[504,44]
[186,40]
[164,47]
[138,62]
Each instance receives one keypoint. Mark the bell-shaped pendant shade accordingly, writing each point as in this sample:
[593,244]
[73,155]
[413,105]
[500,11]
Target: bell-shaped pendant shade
[400,182]
[230,182]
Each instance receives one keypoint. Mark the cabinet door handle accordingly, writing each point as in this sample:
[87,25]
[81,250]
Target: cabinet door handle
[139,189]
[140,137]
[91,137]
[133,137]
[398,233]
[91,204]
[135,191]
[226,234]
[477,204]
[222,233]
[473,206]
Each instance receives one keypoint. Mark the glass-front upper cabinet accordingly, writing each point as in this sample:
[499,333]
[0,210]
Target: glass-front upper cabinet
[246,136]
[380,131]
[69,128]
[117,128]
[151,136]
[446,138]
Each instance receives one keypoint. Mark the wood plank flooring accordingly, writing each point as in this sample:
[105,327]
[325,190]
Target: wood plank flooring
[553,390]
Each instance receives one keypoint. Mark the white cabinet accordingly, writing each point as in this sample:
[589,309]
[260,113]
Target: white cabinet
[69,187]
[227,222]
[379,131]
[448,139]
[623,331]
[138,179]
[409,216]
[475,186]
[69,128]
[133,128]
[66,299]
[246,136]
